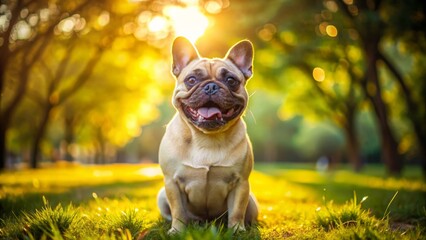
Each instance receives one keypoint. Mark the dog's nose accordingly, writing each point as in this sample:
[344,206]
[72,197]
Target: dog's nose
[211,88]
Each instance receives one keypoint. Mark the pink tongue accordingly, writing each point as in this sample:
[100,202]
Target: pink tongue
[208,112]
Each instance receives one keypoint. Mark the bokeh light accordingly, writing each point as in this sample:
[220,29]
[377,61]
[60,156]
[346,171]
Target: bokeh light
[318,74]
[157,24]
[331,31]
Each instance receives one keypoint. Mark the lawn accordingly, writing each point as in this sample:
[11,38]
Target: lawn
[296,202]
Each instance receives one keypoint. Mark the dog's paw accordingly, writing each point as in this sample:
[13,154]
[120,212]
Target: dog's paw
[172,231]
[238,228]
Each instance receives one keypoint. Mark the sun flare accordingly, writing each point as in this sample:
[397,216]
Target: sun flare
[187,21]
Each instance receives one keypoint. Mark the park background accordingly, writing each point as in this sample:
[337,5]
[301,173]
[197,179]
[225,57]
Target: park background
[338,84]
[90,82]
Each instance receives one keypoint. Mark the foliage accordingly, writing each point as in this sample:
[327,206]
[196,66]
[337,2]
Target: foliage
[63,60]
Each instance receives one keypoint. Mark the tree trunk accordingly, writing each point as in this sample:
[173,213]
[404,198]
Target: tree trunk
[69,137]
[3,121]
[100,151]
[40,132]
[2,146]
[6,113]
[270,151]
[413,107]
[4,50]
[372,89]
[352,145]
[421,139]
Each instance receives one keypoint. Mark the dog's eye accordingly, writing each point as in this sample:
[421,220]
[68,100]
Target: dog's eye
[191,81]
[231,82]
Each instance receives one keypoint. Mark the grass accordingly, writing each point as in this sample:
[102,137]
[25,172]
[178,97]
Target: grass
[296,202]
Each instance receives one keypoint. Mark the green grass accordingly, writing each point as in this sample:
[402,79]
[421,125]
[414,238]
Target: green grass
[296,202]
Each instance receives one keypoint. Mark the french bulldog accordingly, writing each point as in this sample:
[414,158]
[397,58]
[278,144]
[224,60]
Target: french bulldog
[205,154]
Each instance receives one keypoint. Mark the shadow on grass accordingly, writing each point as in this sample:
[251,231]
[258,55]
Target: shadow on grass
[11,206]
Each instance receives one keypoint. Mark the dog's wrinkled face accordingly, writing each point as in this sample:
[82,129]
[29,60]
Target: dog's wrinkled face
[211,93]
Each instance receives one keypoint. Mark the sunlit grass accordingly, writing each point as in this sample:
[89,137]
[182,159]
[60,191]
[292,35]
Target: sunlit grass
[58,180]
[296,202]
[349,177]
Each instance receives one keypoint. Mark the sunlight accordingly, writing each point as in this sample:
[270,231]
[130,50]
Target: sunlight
[102,173]
[157,24]
[23,30]
[331,31]
[318,74]
[132,125]
[214,7]
[187,21]
[347,177]
[103,19]
[150,172]
[67,25]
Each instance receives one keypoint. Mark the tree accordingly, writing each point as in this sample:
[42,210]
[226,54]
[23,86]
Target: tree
[364,25]
[111,109]
[68,25]
[24,38]
[405,26]
[327,88]
[375,21]
[285,37]
[55,96]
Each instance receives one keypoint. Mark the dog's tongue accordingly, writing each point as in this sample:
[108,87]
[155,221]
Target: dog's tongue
[209,112]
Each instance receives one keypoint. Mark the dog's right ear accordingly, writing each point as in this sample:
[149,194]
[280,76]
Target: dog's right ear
[183,53]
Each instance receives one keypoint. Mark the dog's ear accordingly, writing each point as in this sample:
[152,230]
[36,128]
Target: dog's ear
[183,53]
[241,54]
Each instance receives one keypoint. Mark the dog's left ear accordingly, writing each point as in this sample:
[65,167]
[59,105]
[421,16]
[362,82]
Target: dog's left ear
[241,54]
[183,53]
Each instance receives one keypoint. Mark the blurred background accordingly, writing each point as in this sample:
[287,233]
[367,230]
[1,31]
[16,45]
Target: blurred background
[335,81]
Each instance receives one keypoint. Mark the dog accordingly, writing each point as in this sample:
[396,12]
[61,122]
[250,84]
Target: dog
[205,154]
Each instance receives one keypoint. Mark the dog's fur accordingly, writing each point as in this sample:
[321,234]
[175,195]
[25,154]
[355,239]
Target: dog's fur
[205,154]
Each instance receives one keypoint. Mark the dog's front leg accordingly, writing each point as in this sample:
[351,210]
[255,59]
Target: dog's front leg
[237,205]
[179,217]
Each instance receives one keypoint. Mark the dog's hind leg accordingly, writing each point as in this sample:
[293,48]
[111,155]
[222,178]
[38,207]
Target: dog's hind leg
[252,210]
[163,204]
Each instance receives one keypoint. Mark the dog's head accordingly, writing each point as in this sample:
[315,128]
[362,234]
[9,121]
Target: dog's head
[210,93]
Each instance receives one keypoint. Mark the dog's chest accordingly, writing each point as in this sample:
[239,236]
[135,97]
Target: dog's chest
[205,158]
[206,188]
[216,154]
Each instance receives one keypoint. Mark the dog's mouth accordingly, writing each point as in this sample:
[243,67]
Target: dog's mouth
[211,116]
